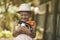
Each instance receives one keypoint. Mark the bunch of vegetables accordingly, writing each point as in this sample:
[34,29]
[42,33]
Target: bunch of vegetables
[5,34]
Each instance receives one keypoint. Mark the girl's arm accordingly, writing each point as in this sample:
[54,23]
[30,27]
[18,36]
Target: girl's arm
[15,32]
[33,33]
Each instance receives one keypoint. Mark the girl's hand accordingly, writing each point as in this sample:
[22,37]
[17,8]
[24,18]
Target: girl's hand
[25,30]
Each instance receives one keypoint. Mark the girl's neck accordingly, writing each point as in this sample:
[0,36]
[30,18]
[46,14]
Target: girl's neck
[25,20]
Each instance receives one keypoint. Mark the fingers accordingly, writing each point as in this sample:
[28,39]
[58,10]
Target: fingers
[25,29]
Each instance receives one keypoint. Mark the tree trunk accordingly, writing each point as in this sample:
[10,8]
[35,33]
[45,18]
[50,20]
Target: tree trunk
[55,12]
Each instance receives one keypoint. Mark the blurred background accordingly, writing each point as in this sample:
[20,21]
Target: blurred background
[46,14]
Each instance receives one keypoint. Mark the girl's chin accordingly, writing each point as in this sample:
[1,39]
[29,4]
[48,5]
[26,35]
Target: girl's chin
[25,20]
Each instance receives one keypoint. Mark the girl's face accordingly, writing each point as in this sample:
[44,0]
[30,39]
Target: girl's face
[24,16]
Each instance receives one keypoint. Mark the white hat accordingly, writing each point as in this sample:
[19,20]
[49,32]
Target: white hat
[24,7]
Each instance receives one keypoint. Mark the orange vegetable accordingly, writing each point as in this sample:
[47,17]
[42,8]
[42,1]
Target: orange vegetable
[32,23]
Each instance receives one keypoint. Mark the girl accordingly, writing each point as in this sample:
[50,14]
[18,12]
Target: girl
[25,29]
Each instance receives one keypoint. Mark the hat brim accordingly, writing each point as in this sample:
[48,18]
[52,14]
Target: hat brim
[22,11]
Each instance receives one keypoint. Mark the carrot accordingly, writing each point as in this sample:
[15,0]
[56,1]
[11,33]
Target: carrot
[32,23]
